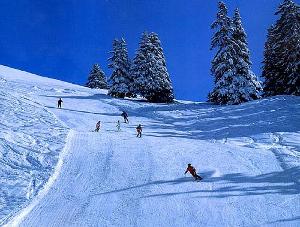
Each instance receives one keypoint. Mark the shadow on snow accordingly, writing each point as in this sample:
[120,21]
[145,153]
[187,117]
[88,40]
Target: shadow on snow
[206,121]
[83,111]
[284,182]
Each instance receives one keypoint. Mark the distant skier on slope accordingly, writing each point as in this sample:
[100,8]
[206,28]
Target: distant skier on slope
[59,102]
[118,125]
[192,171]
[125,116]
[139,131]
[98,126]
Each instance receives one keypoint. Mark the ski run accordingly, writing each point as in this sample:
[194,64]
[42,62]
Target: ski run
[56,171]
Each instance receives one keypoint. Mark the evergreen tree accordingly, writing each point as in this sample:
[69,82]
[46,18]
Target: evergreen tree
[97,78]
[149,71]
[240,37]
[120,80]
[223,68]
[272,72]
[281,68]
[247,86]
[234,81]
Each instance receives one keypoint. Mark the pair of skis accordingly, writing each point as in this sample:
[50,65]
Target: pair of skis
[198,179]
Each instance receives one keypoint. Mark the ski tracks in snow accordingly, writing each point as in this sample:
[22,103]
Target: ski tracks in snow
[24,213]
[99,185]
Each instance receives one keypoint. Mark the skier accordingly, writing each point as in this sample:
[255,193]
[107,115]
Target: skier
[118,125]
[192,171]
[97,126]
[59,103]
[139,131]
[125,116]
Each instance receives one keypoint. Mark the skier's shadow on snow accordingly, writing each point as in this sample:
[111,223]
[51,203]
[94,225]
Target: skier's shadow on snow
[103,97]
[284,182]
[236,184]
[87,112]
[149,184]
[285,220]
[95,96]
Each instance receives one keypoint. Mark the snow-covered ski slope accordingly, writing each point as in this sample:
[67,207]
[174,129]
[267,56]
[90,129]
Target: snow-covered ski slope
[248,155]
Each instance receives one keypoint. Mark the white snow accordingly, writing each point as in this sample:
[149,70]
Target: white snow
[247,154]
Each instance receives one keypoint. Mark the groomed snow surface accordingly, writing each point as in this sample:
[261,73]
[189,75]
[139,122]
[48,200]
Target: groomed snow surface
[55,171]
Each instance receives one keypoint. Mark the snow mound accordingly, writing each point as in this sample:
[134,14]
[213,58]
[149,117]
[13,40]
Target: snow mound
[31,139]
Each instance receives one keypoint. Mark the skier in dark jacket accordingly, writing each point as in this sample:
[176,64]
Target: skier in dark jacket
[139,131]
[98,126]
[59,102]
[118,125]
[192,171]
[125,116]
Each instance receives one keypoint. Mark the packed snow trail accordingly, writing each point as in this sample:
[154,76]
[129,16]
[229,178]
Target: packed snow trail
[76,196]
[247,154]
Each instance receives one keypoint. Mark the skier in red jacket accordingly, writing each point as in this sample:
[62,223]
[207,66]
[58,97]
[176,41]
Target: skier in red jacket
[192,171]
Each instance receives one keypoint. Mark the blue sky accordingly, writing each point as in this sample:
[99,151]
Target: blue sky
[64,38]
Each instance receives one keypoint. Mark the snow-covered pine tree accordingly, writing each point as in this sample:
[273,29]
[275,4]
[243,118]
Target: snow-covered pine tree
[235,83]
[272,72]
[281,68]
[120,80]
[97,78]
[149,71]
[247,86]
[223,64]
